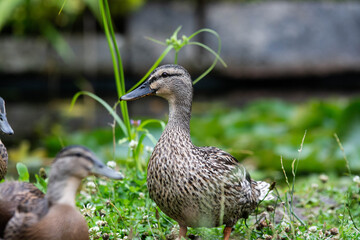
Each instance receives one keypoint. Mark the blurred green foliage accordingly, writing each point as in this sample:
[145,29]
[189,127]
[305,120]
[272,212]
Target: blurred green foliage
[23,17]
[257,134]
[45,18]
[263,131]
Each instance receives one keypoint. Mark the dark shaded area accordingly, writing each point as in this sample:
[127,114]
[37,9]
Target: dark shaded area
[38,88]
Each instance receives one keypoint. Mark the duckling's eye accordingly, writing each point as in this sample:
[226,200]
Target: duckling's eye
[164,74]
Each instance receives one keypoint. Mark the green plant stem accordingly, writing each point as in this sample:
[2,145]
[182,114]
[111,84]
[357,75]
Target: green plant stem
[343,153]
[294,170]
[116,59]
[178,44]
[137,152]
[157,62]
[217,54]
[120,84]
[176,57]
[104,104]
[62,7]
[351,217]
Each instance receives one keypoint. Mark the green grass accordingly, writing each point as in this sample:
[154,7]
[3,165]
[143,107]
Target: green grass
[326,206]
[123,210]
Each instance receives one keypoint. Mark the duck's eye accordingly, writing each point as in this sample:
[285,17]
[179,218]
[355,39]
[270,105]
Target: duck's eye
[164,74]
[152,79]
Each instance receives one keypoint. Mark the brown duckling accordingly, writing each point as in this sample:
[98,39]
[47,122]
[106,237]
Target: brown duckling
[55,216]
[196,186]
[5,128]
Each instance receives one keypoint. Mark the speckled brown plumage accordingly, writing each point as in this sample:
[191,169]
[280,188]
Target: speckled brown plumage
[54,216]
[196,186]
[12,194]
[3,160]
[5,128]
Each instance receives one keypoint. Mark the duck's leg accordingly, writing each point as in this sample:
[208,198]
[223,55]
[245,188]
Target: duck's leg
[227,232]
[182,232]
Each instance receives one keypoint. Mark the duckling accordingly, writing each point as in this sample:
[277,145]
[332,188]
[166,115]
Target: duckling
[54,216]
[195,186]
[5,128]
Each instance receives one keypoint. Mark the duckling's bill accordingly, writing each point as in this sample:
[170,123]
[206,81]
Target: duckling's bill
[4,125]
[142,91]
[100,168]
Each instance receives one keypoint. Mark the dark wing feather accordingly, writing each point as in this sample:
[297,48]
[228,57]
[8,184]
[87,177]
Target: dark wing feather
[13,194]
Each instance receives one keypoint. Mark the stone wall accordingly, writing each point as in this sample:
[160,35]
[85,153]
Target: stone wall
[258,39]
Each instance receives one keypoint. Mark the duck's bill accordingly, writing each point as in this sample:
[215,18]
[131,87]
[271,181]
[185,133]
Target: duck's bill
[5,126]
[103,170]
[142,91]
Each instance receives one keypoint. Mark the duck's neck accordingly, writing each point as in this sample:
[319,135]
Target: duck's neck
[179,117]
[62,191]
[3,160]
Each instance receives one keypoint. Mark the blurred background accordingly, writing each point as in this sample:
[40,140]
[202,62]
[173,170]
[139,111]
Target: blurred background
[293,66]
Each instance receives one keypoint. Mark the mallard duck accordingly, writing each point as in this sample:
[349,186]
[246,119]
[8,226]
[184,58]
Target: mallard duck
[54,216]
[5,128]
[195,186]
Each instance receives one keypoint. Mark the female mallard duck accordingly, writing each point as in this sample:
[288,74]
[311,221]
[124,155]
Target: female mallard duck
[54,216]
[196,186]
[5,127]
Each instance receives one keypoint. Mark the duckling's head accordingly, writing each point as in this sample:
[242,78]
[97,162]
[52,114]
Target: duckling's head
[4,125]
[71,165]
[171,82]
[80,162]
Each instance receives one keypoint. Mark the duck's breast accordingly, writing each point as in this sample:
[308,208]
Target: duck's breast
[62,222]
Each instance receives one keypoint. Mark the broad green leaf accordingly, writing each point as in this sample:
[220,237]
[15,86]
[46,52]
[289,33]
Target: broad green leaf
[7,8]
[23,172]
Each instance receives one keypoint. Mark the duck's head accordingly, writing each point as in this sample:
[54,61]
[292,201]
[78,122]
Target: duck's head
[171,82]
[4,125]
[80,162]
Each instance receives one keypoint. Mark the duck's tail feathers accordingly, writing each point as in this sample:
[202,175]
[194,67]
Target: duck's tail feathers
[265,192]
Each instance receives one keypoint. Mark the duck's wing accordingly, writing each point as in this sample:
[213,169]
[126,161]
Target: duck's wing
[26,215]
[19,192]
[224,163]
[229,165]
[12,194]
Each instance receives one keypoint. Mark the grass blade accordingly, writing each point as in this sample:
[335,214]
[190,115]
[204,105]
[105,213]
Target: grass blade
[104,104]
[116,59]
[149,121]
